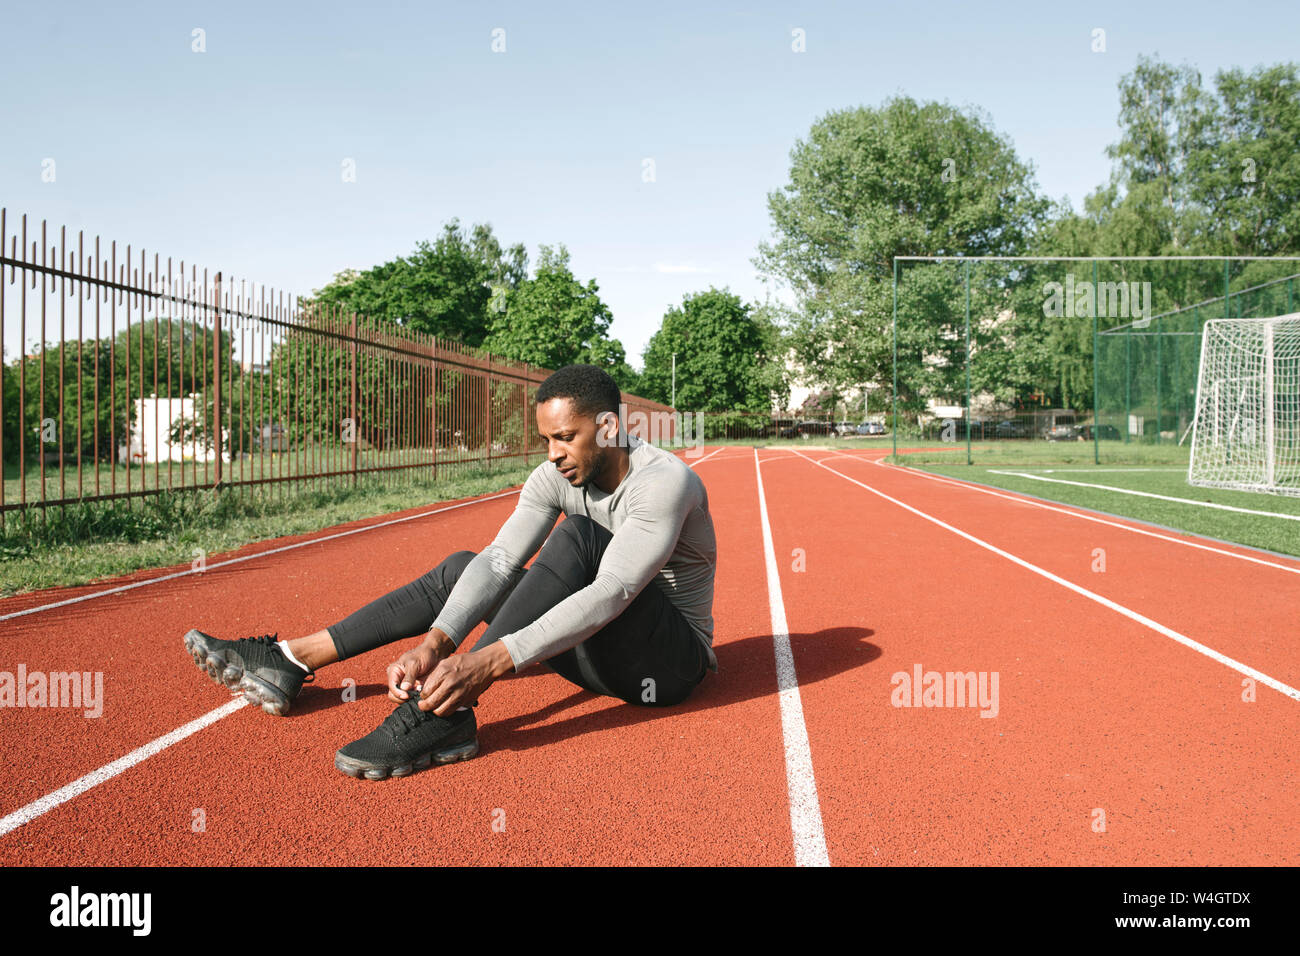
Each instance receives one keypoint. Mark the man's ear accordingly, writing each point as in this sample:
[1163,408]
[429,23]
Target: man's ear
[607,429]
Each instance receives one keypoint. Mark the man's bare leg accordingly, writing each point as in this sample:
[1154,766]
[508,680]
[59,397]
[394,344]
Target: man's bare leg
[313,651]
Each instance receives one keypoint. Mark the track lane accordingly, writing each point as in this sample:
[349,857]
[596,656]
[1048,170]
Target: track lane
[1241,609]
[1095,713]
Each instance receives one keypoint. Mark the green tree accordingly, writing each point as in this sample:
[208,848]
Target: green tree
[1249,176]
[447,288]
[725,356]
[554,320]
[868,185]
[1197,172]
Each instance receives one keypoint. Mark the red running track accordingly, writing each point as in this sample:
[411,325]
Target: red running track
[1096,711]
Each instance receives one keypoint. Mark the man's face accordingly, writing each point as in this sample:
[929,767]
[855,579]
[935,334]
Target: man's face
[571,438]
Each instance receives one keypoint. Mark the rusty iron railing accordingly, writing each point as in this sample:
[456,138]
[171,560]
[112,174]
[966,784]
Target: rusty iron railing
[164,377]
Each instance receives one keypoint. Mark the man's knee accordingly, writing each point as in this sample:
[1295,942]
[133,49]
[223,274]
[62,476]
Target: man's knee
[574,528]
[448,572]
[579,536]
[459,561]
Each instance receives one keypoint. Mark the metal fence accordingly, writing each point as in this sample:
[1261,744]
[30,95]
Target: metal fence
[126,375]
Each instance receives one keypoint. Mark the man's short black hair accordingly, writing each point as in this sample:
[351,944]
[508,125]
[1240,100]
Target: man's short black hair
[590,388]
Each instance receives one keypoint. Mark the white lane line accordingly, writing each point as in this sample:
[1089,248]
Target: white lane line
[1156,626]
[110,770]
[1022,500]
[1111,471]
[805,811]
[1146,494]
[247,557]
[692,464]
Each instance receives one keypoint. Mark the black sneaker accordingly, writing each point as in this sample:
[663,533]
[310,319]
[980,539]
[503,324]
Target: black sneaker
[254,665]
[410,739]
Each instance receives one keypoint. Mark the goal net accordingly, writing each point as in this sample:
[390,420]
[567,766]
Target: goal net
[1246,434]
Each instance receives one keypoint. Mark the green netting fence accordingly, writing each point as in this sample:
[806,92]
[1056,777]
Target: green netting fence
[1054,359]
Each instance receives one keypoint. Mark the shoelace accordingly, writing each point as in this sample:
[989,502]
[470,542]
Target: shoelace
[406,717]
[269,641]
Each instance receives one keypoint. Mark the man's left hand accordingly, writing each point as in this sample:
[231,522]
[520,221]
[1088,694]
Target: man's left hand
[458,680]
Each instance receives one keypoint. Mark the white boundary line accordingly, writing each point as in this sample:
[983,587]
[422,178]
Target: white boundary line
[79,786]
[1156,626]
[1021,499]
[1145,494]
[247,557]
[805,810]
[1109,471]
[692,464]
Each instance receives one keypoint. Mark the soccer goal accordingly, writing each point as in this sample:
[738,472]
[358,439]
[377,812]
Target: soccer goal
[1246,434]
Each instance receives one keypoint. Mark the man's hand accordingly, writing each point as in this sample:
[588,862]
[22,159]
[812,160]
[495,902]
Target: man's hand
[458,681]
[416,664]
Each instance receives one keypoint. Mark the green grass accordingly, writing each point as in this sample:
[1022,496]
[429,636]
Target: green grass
[1041,453]
[179,475]
[86,541]
[1273,534]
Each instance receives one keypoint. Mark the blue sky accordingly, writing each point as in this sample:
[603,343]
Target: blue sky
[232,158]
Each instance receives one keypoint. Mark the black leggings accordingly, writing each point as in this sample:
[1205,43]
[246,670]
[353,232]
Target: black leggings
[646,655]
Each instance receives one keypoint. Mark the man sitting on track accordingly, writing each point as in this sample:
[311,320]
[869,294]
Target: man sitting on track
[619,600]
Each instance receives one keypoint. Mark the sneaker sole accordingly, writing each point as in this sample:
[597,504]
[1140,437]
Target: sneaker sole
[231,676]
[259,693]
[203,660]
[364,769]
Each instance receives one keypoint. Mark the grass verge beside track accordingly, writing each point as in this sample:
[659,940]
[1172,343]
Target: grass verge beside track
[1041,453]
[82,543]
[1258,531]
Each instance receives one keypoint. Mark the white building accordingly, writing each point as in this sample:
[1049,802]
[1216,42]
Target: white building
[151,432]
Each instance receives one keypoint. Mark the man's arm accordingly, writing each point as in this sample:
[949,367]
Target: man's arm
[637,552]
[485,579]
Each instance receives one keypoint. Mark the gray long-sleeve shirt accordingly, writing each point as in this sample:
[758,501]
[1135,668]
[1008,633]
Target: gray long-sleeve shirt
[659,518]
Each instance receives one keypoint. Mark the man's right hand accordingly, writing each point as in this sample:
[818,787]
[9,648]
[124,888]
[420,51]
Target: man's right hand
[417,664]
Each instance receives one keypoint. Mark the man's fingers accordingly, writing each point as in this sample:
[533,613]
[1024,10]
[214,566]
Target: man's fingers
[449,704]
[434,693]
[398,682]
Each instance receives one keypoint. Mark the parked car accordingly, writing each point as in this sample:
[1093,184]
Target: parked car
[816,428]
[780,428]
[845,429]
[1104,432]
[1060,424]
[979,430]
[1009,429]
[272,436]
[871,428]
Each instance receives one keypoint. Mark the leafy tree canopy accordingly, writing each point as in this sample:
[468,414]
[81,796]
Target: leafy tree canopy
[444,288]
[728,357]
